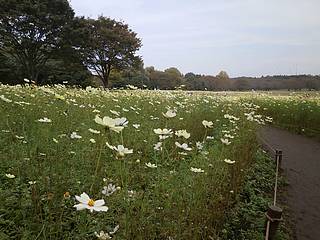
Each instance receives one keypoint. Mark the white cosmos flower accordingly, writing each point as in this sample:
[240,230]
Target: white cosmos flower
[207,124]
[75,135]
[151,165]
[269,119]
[136,125]
[121,121]
[110,146]
[116,124]
[44,120]
[157,146]
[131,87]
[169,114]
[102,235]
[121,150]
[199,145]
[8,175]
[85,202]
[183,146]
[93,131]
[182,133]
[131,193]
[250,118]
[228,136]
[230,117]
[196,170]
[183,153]
[109,190]
[115,112]
[162,137]
[92,140]
[225,141]
[162,131]
[229,161]
[3,98]
[55,140]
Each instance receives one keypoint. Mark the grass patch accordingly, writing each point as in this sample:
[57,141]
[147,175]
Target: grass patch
[246,220]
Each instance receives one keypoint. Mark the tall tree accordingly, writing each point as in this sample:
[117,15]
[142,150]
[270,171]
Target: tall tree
[112,45]
[31,30]
[222,81]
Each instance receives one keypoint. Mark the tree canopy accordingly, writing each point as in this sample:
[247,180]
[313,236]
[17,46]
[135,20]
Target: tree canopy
[30,31]
[111,45]
[43,41]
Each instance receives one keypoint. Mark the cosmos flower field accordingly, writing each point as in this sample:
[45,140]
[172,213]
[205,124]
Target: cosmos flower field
[126,164]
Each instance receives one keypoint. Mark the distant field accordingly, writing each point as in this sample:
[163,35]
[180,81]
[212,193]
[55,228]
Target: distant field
[296,111]
[168,183]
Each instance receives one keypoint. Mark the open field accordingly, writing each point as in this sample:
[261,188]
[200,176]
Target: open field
[296,111]
[167,184]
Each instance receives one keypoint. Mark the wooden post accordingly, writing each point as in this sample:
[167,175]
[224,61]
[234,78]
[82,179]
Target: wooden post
[274,217]
[279,156]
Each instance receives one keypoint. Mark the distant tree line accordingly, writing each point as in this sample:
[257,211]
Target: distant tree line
[43,41]
[172,78]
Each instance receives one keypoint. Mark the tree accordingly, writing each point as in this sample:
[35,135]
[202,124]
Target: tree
[174,71]
[31,30]
[111,46]
[10,72]
[222,81]
[164,80]
[223,75]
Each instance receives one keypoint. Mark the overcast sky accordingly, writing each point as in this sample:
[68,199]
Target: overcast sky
[242,37]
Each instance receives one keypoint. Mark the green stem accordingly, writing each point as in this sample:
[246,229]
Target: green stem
[97,166]
[205,135]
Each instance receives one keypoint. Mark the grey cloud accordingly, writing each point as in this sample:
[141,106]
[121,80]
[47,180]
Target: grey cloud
[245,37]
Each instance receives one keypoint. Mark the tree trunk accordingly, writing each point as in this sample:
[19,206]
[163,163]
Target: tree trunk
[104,76]
[32,73]
[105,80]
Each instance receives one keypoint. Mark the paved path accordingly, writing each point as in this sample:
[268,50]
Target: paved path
[301,165]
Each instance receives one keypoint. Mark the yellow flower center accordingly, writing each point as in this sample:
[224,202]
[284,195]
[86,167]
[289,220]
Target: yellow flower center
[91,203]
[66,195]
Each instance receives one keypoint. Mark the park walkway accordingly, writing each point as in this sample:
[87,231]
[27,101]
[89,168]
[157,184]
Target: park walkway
[301,166]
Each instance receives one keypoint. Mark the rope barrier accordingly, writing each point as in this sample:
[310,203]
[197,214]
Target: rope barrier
[267,230]
[277,175]
[272,223]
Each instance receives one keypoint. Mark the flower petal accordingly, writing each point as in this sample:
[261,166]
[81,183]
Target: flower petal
[80,206]
[99,203]
[84,198]
[101,208]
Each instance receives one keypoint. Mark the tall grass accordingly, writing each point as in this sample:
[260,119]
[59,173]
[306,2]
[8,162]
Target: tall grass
[166,202]
[298,112]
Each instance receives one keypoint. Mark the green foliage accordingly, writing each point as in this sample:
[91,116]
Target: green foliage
[247,218]
[164,80]
[111,45]
[133,77]
[10,72]
[31,30]
[167,201]
[298,112]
